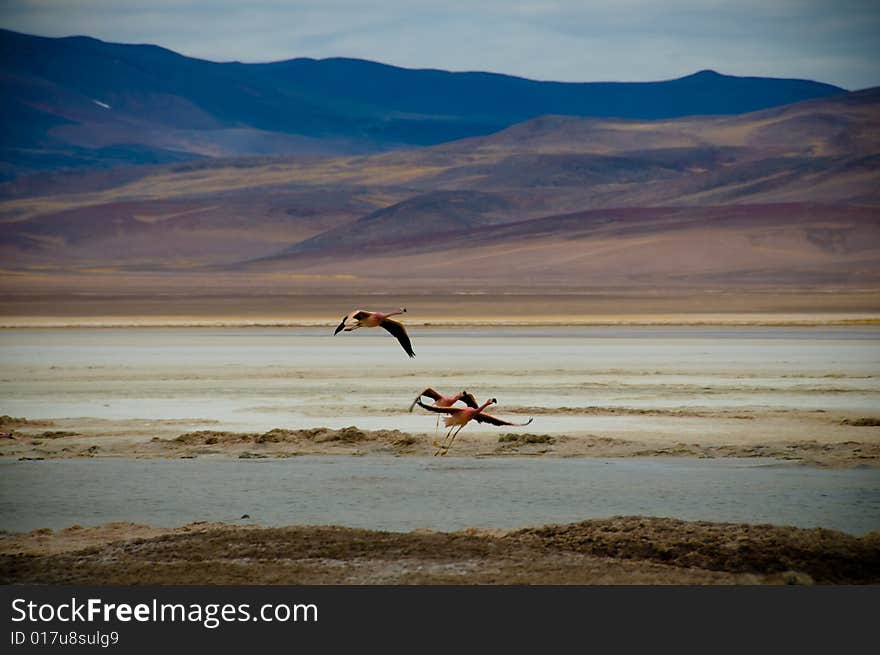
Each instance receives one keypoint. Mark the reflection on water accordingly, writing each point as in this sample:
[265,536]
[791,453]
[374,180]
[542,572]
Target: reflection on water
[408,493]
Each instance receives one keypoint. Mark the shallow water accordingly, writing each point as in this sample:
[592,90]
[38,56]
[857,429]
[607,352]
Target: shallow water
[261,378]
[441,494]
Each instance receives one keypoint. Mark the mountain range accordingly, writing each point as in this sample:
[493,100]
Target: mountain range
[781,200]
[80,102]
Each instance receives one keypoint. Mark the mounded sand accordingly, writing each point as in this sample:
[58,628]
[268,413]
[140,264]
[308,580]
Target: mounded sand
[619,550]
[853,443]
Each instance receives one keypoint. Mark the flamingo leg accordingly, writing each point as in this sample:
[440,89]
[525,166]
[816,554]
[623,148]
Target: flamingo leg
[443,445]
[446,448]
[436,443]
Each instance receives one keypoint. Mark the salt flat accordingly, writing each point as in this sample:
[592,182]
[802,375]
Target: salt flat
[590,390]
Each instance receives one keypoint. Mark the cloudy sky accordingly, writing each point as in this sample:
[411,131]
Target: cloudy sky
[832,41]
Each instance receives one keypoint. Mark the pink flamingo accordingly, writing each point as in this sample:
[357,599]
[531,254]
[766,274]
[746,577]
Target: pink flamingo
[361,318]
[446,401]
[461,416]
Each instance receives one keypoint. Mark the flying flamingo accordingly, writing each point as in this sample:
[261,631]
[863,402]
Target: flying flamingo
[446,401]
[461,416]
[361,318]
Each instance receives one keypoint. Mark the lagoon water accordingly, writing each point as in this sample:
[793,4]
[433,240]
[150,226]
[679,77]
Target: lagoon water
[405,493]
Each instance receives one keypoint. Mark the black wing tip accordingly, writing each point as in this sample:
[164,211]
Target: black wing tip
[434,408]
[398,332]
[470,400]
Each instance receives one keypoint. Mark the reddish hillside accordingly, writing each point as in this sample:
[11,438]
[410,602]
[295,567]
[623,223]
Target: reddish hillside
[787,198]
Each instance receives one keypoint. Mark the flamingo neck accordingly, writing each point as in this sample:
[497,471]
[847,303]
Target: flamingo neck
[484,405]
[392,314]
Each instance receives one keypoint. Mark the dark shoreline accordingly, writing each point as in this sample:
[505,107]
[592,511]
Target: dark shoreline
[618,550]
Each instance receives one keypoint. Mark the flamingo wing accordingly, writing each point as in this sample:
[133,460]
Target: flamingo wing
[351,320]
[429,393]
[399,332]
[469,400]
[485,418]
[440,410]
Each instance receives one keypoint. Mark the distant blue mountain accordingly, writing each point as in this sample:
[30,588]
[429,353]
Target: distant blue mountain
[78,101]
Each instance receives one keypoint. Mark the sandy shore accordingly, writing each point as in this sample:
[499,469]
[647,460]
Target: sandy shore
[68,438]
[620,550]
[151,303]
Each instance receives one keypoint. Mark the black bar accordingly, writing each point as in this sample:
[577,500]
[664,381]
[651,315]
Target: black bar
[619,619]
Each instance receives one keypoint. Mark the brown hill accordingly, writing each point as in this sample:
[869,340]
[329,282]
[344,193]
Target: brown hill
[439,213]
[794,245]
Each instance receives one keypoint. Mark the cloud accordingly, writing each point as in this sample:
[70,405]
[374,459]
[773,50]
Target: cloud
[571,40]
